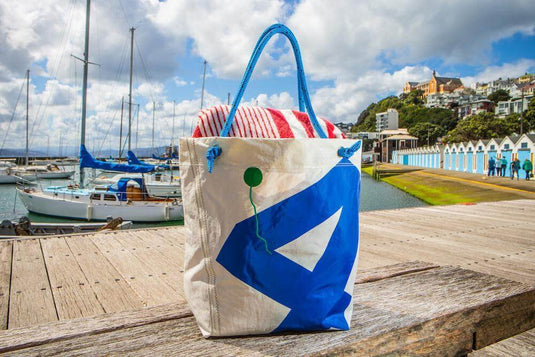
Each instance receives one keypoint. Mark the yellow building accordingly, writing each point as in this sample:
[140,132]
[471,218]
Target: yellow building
[526,78]
[437,85]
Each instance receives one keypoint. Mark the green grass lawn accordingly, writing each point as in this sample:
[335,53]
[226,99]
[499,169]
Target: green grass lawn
[435,190]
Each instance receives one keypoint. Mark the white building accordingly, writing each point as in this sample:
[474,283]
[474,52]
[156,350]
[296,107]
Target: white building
[514,105]
[387,120]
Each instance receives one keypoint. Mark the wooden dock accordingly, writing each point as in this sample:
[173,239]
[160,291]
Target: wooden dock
[113,288]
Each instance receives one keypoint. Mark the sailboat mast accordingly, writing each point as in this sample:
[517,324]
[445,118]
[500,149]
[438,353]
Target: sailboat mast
[153,111]
[203,79]
[173,128]
[84,84]
[27,114]
[137,124]
[121,130]
[130,92]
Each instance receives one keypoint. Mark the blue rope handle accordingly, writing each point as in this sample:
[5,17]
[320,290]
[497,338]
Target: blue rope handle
[257,51]
[304,97]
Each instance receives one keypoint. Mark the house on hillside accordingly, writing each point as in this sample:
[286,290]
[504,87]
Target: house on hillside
[436,85]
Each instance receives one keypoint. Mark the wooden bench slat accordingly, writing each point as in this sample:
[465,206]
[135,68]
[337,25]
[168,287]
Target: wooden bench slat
[437,311]
[31,301]
[73,295]
[6,251]
[110,287]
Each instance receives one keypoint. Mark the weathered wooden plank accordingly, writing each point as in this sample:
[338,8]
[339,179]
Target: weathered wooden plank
[6,252]
[390,271]
[435,311]
[31,301]
[73,295]
[110,287]
[59,331]
[152,289]
[521,345]
[166,267]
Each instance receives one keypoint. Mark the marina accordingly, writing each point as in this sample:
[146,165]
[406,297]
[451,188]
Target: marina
[132,281]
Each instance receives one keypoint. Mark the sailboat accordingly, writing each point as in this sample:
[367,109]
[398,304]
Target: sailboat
[127,198]
[8,175]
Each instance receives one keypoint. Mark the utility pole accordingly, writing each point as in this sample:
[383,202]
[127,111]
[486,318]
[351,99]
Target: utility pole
[228,98]
[522,114]
[27,114]
[203,79]
[130,92]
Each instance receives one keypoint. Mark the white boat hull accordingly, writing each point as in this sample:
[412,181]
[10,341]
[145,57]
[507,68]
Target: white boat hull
[55,175]
[5,179]
[82,208]
[164,190]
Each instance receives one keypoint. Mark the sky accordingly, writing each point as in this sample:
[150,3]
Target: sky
[354,53]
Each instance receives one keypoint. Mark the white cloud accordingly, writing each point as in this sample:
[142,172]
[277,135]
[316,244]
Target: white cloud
[346,99]
[279,101]
[352,45]
[344,39]
[506,70]
[224,32]
[179,82]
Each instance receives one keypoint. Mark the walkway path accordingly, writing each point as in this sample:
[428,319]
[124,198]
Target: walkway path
[437,186]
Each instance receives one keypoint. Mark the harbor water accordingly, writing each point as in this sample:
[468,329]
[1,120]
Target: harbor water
[375,195]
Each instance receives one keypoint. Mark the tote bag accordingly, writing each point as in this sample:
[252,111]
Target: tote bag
[271,223]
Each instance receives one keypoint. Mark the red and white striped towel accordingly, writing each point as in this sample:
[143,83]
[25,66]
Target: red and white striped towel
[256,122]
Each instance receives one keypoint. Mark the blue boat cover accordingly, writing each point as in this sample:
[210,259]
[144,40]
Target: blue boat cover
[120,186]
[86,160]
[159,158]
[133,160]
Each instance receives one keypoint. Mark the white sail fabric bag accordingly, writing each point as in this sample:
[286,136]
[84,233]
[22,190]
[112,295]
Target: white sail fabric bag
[272,225]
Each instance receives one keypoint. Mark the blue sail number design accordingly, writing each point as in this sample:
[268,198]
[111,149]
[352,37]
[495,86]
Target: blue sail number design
[315,297]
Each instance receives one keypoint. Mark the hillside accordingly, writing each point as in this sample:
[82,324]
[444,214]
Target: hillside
[413,115]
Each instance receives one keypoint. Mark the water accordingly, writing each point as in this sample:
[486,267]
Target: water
[375,195]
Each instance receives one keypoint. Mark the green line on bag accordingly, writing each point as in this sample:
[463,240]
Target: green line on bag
[253,177]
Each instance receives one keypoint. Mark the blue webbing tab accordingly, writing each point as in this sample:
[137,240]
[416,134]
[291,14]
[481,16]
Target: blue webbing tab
[348,152]
[211,154]
[304,97]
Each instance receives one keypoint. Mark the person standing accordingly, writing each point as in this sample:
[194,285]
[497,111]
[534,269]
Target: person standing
[515,168]
[492,166]
[528,167]
[503,162]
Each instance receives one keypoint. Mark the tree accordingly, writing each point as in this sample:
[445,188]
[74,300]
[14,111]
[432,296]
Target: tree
[529,114]
[427,133]
[515,118]
[499,96]
[482,126]
[415,97]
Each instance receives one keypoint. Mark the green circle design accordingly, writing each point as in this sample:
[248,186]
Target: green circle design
[252,176]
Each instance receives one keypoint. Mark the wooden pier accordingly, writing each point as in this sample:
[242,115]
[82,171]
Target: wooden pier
[121,292]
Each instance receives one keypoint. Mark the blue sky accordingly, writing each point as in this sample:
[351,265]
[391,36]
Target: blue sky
[354,52]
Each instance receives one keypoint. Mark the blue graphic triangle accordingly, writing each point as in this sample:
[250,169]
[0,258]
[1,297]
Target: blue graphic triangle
[316,299]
